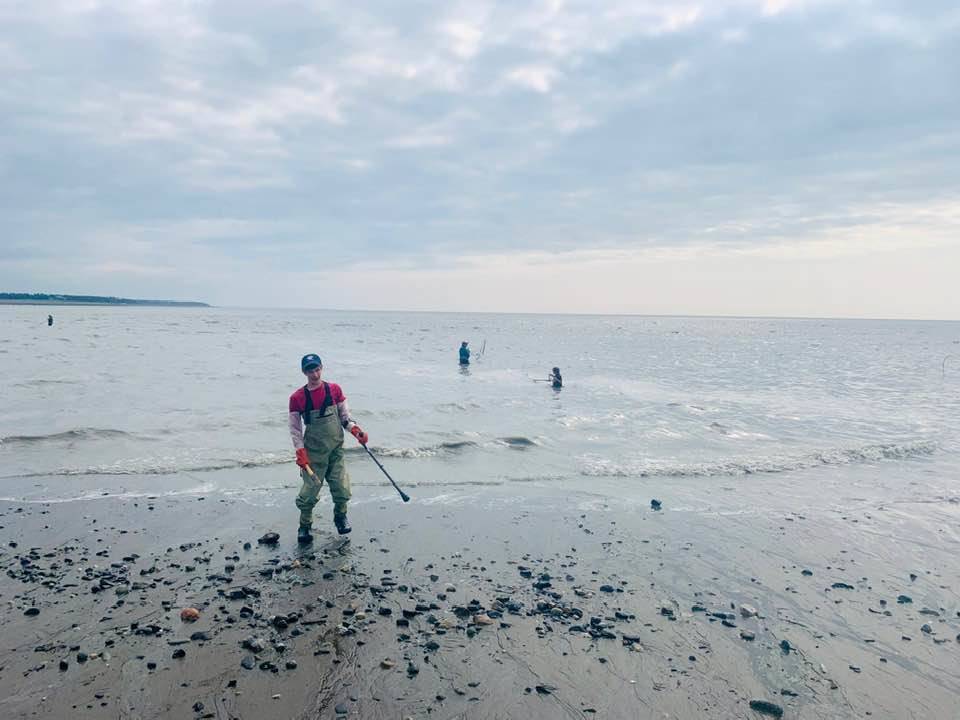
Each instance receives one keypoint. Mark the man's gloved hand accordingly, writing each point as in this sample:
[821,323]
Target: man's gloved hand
[302,458]
[359,434]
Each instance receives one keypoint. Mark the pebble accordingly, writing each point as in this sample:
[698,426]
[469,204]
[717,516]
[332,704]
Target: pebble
[341,709]
[747,635]
[765,707]
[32,612]
[748,611]
[179,653]
[270,538]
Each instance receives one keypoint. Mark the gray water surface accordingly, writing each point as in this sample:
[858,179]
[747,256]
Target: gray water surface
[114,400]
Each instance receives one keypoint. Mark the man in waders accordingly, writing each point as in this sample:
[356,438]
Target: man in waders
[464,353]
[318,415]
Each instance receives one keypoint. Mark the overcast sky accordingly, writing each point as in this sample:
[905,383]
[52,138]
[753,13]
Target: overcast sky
[748,157]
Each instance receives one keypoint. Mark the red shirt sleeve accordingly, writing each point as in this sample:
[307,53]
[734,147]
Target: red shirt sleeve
[336,394]
[298,401]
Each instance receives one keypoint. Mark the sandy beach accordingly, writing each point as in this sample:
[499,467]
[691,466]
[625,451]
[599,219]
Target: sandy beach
[490,602]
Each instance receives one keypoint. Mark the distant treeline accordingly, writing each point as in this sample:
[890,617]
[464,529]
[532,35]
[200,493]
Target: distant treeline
[48,299]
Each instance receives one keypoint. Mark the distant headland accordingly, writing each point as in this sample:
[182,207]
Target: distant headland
[49,299]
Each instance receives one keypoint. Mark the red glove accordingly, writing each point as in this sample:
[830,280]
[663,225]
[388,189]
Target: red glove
[302,458]
[359,434]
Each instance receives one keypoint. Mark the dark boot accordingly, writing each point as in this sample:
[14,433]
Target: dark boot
[303,535]
[340,520]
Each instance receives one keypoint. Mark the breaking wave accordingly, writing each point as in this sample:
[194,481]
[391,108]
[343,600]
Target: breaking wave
[173,465]
[84,433]
[602,467]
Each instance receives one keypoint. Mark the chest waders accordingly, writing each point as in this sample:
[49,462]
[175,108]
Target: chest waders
[323,439]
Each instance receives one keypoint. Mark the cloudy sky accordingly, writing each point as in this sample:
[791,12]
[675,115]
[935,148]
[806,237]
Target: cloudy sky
[748,157]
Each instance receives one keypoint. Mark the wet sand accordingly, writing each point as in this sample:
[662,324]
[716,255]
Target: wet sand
[529,600]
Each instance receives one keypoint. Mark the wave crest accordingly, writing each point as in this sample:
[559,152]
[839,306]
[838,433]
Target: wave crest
[84,433]
[749,466]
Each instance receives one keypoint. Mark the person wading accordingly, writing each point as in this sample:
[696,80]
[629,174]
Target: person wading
[555,378]
[464,353]
[318,416]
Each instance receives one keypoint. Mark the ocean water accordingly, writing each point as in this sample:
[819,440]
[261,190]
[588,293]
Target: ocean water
[113,401]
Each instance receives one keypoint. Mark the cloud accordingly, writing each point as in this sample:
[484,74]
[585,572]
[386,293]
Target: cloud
[533,77]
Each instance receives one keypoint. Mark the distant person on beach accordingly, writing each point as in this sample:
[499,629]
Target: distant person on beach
[464,353]
[556,380]
[49,320]
[318,416]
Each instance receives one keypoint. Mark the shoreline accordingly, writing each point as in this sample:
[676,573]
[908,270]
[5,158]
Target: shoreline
[171,304]
[575,604]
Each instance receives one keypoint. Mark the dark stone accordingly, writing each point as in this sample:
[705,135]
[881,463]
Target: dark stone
[904,599]
[607,588]
[248,663]
[31,612]
[545,689]
[341,709]
[785,646]
[808,573]
[82,657]
[179,653]
[270,538]
[151,665]
[64,664]
[841,586]
[291,664]
[655,504]
[765,707]
[201,635]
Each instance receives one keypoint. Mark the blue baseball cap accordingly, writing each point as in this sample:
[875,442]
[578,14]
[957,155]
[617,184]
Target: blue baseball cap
[308,362]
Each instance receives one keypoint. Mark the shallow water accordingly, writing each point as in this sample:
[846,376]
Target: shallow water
[152,400]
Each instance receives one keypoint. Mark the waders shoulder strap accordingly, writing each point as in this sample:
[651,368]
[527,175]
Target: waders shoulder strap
[308,402]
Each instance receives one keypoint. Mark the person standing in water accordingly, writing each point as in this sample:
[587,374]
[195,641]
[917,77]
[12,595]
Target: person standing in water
[464,353]
[318,416]
[556,380]
[49,320]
